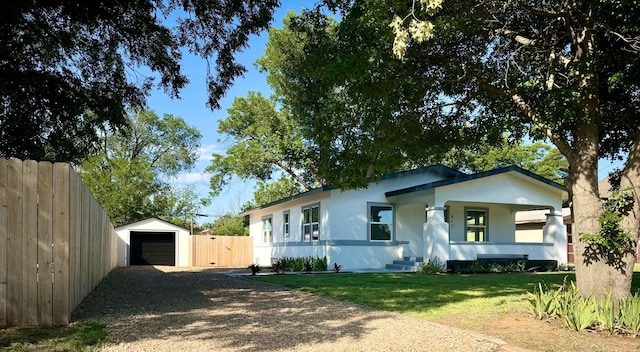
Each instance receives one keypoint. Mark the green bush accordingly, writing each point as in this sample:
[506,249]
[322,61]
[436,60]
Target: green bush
[580,312]
[298,263]
[432,266]
[630,315]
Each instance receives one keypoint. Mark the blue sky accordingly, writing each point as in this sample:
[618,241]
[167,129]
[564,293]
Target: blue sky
[192,107]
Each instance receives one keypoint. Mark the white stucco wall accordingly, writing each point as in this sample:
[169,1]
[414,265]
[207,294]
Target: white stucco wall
[182,253]
[344,225]
[344,237]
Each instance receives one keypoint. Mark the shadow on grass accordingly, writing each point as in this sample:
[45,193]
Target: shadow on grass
[421,294]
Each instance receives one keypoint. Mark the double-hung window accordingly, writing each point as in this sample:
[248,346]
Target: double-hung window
[286,223]
[476,225]
[267,229]
[380,222]
[311,222]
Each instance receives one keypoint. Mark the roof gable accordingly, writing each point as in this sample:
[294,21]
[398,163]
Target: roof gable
[438,169]
[149,220]
[465,177]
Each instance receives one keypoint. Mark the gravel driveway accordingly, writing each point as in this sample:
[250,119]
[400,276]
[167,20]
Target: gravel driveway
[197,309]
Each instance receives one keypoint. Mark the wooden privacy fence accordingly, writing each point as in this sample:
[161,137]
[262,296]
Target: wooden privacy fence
[221,251]
[56,242]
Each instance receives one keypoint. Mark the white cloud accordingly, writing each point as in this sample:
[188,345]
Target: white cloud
[205,151]
[191,178]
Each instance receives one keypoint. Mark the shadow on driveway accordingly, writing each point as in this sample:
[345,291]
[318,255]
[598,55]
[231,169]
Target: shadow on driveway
[195,309]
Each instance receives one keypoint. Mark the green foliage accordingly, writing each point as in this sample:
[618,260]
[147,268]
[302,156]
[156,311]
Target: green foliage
[608,315]
[299,264]
[612,242]
[84,337]
[433,266]
[630,315]
[263,142]
[537,157]
[579,312]
[126,177]
[230,225]
[544,302]
[269,192]
[69,67]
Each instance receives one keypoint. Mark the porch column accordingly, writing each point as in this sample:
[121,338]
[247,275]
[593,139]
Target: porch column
[436,235]
[554,231]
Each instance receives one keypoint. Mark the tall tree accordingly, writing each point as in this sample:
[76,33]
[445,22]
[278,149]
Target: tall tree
[128,177]
[68,67]
[263,141]
[562,71]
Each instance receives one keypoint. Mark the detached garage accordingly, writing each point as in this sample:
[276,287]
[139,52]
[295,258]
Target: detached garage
[153,242]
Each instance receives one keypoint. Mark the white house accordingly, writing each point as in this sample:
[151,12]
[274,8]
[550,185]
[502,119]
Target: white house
[431,212]
[153,242]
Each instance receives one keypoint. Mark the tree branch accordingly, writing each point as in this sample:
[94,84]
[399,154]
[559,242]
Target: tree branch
[530,113]
[515,36]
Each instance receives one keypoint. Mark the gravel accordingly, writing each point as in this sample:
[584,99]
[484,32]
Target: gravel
[197,309]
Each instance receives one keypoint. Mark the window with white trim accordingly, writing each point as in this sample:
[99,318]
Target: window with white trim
[267,229]
[476,225]
[380,222]
[311,222]
[286,223]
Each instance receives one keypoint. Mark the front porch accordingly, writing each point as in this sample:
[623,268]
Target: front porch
[474,216]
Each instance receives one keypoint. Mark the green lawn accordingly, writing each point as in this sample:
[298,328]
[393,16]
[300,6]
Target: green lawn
[428,296]
[75,338]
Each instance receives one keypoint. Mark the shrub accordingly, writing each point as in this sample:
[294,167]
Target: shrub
[432,266]
[630,315]
[579,312]
[300,263]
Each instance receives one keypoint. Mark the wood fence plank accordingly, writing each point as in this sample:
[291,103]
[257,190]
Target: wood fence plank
[61,305]
[75,235]
[84,242]
[3,242]
[14,243]
[45,243]
[30,242]
[222,251]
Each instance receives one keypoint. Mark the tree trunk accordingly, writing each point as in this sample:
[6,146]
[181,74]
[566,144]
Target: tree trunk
[594,275]
[631,222]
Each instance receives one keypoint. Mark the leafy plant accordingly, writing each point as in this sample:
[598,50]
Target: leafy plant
[544,302]
[255,268]
[308,266]
[612,240]
[608,315]
[477,267]
[630,315]
[337,267]
[298,264]
[432,266]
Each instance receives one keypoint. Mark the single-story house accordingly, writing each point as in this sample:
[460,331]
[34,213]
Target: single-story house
[153,241]
[421,214]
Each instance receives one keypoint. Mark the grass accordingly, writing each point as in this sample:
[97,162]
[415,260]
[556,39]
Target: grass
[493,304]
[84,337]
[427,296]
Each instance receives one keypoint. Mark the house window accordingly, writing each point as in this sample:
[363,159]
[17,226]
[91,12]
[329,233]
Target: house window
[286,224]
[476,225]
[311,222]
[267,229]
[380,222]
